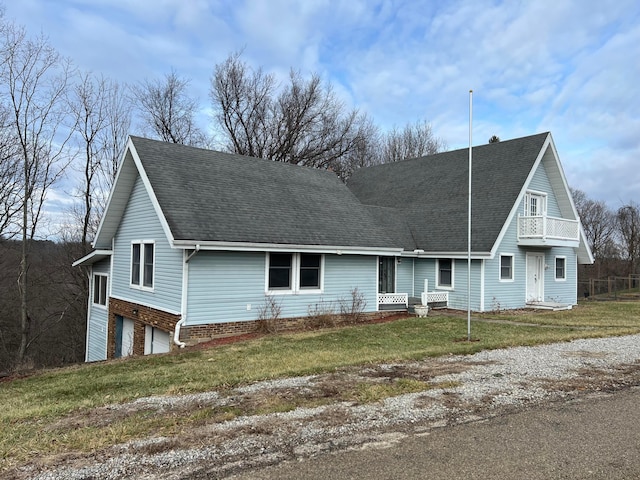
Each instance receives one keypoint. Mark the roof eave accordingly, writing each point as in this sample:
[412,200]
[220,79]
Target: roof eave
[92,257]
[282,247]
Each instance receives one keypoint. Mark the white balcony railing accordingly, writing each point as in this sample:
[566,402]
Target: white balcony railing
[548,228]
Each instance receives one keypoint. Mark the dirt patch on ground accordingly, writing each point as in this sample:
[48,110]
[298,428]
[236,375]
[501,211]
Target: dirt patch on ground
[226,404]
[598,380]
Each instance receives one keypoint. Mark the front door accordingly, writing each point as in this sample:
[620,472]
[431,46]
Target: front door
[386,274]
[535,277]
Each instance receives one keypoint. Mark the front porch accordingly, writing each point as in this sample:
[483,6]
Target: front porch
[402,301]
[554,306]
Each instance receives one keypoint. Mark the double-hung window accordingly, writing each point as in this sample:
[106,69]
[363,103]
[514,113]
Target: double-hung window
[294,272]
[142,264]
[100,289]
[445,273]
[561,270]
[280,265]
[506,268]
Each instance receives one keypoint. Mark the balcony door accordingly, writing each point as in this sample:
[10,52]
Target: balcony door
[535,204]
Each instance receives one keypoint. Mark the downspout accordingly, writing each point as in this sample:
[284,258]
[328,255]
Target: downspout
[176,332]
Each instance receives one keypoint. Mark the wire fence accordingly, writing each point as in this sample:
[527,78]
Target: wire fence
[611,287]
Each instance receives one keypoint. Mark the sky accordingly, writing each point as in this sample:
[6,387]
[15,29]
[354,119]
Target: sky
[571,67]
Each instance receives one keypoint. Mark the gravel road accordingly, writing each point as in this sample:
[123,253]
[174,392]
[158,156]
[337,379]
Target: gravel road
[469,388]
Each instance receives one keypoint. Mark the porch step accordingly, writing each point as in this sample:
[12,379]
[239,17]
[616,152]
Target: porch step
[555,306]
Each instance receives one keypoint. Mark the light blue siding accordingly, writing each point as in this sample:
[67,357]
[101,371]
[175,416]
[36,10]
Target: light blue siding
[223,285]
[404,276]
[230,286]
[561,291]
[140,222]
[458,298]
[500,295]
[424,269]
[96,348]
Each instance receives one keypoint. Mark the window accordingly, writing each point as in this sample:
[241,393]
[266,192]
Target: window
[445,273]
[561,271]
[506,267]
[99,289]
[280,271]
[310,270]
[142,264]
[294,272]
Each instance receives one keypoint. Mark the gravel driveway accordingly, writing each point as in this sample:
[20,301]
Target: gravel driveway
[476,386]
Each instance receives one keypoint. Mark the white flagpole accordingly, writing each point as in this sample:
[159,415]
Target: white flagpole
[469,223]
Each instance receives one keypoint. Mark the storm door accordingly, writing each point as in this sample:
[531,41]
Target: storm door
[386,274]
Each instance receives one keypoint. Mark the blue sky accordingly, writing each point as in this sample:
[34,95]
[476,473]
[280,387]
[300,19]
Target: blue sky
[567,66]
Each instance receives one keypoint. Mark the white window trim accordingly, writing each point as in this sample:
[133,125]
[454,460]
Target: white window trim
[555,274]
[453,274]
[513,268]
[141,285]
[295,277]
[93,293]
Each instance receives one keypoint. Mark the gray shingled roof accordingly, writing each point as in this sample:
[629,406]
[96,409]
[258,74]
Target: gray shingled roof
[214,196]
[430,193]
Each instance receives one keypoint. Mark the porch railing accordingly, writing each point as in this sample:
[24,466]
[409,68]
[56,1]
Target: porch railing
[393,299]
[435,296]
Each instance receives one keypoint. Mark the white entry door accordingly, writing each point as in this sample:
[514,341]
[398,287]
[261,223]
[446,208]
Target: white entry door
[535,277]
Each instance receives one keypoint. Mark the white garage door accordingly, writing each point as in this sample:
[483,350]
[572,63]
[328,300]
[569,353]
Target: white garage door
[156,340]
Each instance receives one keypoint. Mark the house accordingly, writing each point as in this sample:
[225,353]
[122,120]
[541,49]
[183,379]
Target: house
[195,244]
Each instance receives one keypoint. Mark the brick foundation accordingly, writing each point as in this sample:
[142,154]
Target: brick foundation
[141,317]
[201,333]
[192,334]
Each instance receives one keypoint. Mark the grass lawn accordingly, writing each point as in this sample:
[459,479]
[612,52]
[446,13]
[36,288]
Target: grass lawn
[32,406]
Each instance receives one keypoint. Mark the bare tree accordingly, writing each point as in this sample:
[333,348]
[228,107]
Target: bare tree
[102,118]
[629,230]
[10,175]
[34,82]
[302,122]
[414,140]
[113,137]
[598,222]
[167,111]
